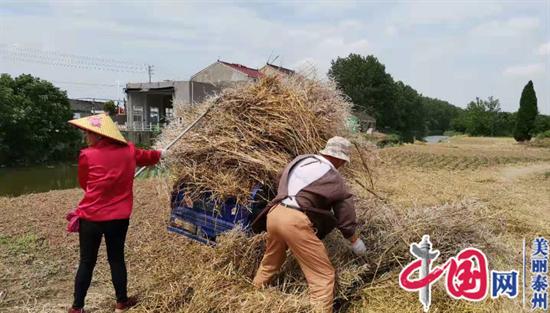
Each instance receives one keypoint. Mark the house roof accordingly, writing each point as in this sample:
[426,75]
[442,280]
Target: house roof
[166,87]
[281,69]
[153,85]
[85,105]
[250,72]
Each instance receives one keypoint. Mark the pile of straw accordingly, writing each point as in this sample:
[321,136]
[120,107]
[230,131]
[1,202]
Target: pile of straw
[251,132]
[198,278]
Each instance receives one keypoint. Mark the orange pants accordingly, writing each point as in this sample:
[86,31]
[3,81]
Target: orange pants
[290,228]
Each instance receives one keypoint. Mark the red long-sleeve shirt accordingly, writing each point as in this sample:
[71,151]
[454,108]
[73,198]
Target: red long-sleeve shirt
[106,174]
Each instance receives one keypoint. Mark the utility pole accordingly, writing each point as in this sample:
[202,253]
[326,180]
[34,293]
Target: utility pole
[150,71]
[118,93]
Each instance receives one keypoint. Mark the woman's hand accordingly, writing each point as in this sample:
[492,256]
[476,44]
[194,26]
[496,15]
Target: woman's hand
[164,153]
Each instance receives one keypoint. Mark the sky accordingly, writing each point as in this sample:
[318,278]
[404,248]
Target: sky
[451,50]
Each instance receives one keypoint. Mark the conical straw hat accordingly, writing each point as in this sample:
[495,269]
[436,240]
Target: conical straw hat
[100,124]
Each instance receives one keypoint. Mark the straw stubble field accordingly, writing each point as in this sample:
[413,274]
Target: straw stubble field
[490,206]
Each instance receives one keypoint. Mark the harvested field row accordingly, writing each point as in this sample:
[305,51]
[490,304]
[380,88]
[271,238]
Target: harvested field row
[443,156]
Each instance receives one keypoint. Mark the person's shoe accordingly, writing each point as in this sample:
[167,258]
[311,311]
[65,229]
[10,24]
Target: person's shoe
[74,310]
[123,306]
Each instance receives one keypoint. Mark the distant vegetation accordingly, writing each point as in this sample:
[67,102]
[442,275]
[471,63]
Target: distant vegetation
[484,118]
[33,122]
[110,107]
[401,110]
[397,107]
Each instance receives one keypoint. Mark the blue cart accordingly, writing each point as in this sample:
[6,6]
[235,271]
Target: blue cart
[203,220]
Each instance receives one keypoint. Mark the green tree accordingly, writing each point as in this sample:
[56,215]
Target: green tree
[480,118]
[8,104]
[110,107]
[492,110]
[410,113]
[505,124]
[476,119]
[33,122]
[527,113]
[459,123]
[371,89]
[438,115]
[542,124]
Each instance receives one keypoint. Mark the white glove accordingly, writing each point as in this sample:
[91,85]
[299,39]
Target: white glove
[164,153]
[358,247]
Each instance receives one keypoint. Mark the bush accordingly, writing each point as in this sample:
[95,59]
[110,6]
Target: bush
[544,135]
[542,124]
[389,141]
[110,107]
[542,140]
[452,133]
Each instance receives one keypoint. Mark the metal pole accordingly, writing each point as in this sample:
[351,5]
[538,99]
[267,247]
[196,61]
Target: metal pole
[177,138]
[191,90]
[150,71]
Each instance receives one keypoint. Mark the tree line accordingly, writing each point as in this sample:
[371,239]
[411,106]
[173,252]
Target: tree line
[33,122]
[399,108]
[485,118]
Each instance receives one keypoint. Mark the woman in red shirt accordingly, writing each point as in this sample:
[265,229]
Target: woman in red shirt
[106,174]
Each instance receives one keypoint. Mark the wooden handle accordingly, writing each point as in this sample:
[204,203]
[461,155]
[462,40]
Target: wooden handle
[177,138]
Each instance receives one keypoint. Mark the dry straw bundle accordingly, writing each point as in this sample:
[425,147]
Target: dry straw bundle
[252,131]
[387,232]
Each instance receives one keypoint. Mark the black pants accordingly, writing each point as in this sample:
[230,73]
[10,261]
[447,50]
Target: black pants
[90,235]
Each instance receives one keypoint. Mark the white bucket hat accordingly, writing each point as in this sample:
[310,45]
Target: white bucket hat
[337,147]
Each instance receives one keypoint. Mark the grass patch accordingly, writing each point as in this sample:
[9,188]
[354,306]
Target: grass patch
[156,171]
[391,140]
[544,135]
[540,143]
[452,133]
[24,244]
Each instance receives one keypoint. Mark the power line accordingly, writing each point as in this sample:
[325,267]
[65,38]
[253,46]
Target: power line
[101,91]
[97,99]
[84,84]
[71,60]
[31,59]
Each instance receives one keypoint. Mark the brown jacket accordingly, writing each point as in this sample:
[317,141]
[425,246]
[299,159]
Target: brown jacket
[327,202]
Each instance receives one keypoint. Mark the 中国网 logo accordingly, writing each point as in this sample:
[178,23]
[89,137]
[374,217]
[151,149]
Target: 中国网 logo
[467,275]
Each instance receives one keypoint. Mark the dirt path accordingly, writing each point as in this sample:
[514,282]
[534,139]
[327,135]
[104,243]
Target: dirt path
[514,172]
